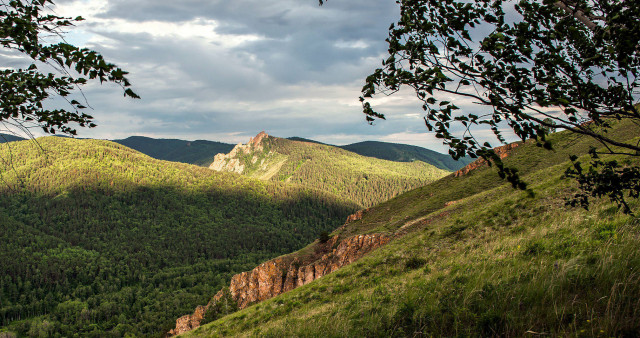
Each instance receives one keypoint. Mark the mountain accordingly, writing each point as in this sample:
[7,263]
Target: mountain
[101,240]
[399,153]
[302,139]
[466,255]
[198,152]
[9,138]
[364,180]
[406,153]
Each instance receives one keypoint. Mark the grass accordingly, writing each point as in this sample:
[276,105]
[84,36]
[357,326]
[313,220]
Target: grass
[499,262]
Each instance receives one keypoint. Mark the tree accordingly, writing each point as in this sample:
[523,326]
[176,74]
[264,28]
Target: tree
[532,66]
[26,29]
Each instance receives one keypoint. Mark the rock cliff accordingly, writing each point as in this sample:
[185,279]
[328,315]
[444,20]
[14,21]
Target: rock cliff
[502,152]
[286,273]
[230,162]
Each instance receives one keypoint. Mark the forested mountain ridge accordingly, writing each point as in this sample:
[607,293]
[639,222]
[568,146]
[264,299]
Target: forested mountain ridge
[472,256]
[9,138]
[406,153]
[202,152]
[101,240]
[364,180]
[199,152]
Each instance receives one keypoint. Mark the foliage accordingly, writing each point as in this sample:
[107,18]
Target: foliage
[26,29]
[100,240]
[530,66]
[220,308]
[605,178]
[324,237]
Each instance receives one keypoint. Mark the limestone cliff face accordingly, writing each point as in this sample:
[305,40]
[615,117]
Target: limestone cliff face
[502,152]
[229,162]
[283,274]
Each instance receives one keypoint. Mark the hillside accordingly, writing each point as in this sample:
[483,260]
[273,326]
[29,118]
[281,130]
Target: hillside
[101,240]
[198,152]
[364,180]
[470,256]
[406,153]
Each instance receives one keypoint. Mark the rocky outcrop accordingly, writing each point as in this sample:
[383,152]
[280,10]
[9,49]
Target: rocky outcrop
[230,162]
[286,273]
[357,216]
[502,152]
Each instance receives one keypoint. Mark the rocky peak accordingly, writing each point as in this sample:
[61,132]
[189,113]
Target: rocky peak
[230,162]
[257,141]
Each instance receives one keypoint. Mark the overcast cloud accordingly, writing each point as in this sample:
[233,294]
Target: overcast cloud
[225,70]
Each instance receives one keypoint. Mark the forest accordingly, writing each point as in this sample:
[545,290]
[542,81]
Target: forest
[101,240]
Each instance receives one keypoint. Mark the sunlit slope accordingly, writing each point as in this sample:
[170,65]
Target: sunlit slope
[98,238]
[365,180]
[496,262]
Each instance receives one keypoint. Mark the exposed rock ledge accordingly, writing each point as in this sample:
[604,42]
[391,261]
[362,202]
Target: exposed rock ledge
[285,273]
[502,152]
[229,162]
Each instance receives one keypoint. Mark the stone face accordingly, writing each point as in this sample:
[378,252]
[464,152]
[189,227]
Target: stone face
[357,216]
[502,152]
[283,274]
[229,162]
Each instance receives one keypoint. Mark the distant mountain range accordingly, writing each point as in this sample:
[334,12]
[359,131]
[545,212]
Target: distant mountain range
[9,138]
[201,152]
[198,152]
[406,153]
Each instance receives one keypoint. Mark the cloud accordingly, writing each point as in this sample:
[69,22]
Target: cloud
[225,70]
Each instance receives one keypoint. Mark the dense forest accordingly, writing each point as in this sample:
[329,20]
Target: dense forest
[364,180]
[101,240]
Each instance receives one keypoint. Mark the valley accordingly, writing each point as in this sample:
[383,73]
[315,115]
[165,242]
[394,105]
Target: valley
[102,240]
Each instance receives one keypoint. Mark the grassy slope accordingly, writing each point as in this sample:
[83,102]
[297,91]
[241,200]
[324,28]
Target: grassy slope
[497,262]
[365,180]
[97,222]
[198,152]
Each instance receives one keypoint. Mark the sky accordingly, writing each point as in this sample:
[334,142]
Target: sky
[225,70]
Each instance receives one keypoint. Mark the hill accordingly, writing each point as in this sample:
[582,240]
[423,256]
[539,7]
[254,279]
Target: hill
[364,180]
[406,153]
[9,138]
[464,256]
[101,240]
[198,152]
